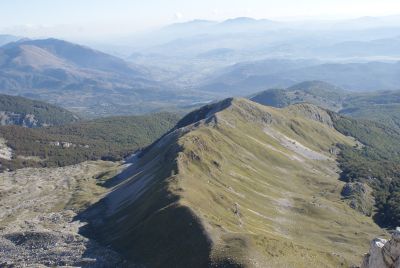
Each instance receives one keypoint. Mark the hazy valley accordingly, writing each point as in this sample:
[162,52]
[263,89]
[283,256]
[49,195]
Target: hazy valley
[234,143]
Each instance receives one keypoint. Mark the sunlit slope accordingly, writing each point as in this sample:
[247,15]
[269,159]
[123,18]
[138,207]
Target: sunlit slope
[238,184]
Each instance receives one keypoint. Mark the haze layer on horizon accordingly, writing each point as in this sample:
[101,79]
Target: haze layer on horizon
[94,18]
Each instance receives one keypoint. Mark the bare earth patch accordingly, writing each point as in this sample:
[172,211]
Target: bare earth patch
[5,151]
[295,146]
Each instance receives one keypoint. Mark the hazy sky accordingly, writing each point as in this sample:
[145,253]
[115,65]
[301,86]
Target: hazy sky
[95,17]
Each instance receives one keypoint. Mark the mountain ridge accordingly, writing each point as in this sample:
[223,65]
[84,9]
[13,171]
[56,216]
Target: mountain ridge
[249,77]
[55,70]
[380,106]
[235,153]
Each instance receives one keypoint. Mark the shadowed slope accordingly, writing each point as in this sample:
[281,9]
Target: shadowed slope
[246,186]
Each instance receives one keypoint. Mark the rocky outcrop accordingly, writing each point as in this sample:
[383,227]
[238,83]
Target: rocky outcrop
[359,197]
[66,144]
[25,120]
[5,151]
[312,112]
[383,253]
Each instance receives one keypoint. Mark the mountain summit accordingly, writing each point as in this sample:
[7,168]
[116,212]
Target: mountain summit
[60,54]
[237,184]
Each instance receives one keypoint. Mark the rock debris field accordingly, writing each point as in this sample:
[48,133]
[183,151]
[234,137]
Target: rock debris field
[37,210]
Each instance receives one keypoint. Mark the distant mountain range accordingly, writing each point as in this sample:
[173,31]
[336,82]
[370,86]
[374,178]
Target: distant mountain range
[247,78]
[5,39]
[358,54]
[199,61]
[77,77]
[254,39]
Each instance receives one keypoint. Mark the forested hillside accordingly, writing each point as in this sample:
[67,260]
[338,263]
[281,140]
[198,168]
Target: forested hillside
[15,110]
[376,162]
[379,106]
[106,138]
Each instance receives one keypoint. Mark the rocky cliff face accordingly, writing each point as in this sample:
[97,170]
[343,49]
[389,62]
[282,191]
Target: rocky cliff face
[383,253]
[25,120]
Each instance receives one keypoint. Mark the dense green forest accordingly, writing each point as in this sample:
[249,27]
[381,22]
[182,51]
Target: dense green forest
[44,113]
[106,138]
[376,163]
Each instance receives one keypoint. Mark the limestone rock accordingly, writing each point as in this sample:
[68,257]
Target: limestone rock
[384,254]
[359,197]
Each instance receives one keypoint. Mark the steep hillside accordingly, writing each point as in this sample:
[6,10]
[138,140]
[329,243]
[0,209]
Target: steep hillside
[388,114]
[30,113]
[70,54]
[81,79]
[237,184]
[106,138]
[317,92]
[376,163]
[380,106]
[58,54]
[377,128]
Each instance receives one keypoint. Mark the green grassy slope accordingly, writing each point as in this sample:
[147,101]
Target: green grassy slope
[378,162]
[319,93]
[238,184]
[379,106]
[106,138]
[45,114]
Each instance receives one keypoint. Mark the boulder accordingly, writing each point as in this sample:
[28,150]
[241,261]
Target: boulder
[384,254]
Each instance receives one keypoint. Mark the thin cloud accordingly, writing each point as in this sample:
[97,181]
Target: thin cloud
[178,16]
